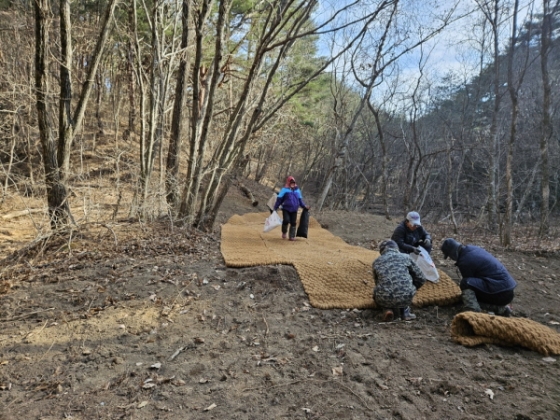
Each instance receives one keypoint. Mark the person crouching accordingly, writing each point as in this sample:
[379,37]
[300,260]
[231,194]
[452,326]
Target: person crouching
[486,284]
[397,278]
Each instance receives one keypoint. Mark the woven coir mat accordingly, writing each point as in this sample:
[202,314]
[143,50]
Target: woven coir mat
[334,274]
[473,328]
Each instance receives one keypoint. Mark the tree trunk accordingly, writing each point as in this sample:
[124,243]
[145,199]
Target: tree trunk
[59,211]
[7,172]
[528,190]
[384,161]
[56,156]
[65,121]
[546,129]
[98,101]
[337,163]
[266,153]
[207,214]
[513,89]
[202,122]
[150,76]
[494,135]
[176,139]
[130,132]
[451,187]
[70,123]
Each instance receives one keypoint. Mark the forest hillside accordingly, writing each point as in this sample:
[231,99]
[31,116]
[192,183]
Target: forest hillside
[185,98]
[130,133]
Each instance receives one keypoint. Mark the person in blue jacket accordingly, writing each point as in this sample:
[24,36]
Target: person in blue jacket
[291,200]
[486,283]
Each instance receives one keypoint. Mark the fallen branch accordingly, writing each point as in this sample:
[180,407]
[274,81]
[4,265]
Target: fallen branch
[17,318]
[249,194]
[15,214]
[174,355]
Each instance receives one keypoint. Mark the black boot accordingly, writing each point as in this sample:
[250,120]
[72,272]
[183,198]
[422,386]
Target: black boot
[292,233]
[470,302]
[500,310]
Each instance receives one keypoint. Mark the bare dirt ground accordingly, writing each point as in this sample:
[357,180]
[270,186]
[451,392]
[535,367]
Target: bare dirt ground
[134,321]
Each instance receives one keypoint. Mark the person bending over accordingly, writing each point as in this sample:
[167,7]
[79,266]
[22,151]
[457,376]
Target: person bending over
[486,283]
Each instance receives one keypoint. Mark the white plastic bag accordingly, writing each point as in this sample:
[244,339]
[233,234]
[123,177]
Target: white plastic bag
[272,221]
[426,264]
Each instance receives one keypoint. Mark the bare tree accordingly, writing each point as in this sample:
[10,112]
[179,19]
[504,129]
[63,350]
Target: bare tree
[384,159]
[514,84]
[282,24]
[451,184]
[56,156]
[59,210]
[70,122]
[383,52]
[154,67]
[343,133]
[550,9]
[202,103]
[175,140]
[415,153]
[492,13]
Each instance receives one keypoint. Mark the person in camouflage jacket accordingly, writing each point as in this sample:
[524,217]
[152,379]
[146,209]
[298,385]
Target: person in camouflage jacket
[397,278]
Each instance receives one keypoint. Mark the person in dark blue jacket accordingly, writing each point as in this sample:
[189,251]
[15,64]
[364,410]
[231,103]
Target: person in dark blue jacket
[291,200]
[410,234]
[486,283]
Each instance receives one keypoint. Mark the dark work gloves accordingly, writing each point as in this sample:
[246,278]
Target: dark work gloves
[416,251]
[417,284]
